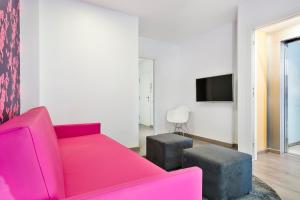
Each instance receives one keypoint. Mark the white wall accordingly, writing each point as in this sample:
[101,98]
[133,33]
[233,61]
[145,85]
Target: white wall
[29,42]
[176,69]
[89,67]
[167,75]
[266,12]
[210,54]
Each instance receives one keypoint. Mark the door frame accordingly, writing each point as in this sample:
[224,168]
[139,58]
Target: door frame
[153,91]
[283,139]
[283,99]
[254,94]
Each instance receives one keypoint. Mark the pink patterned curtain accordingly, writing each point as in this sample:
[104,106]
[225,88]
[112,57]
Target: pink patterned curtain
[9,59]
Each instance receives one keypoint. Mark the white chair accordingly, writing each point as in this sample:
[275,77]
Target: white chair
[179,117]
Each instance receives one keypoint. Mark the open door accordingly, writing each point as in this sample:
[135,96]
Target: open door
[146,91]
[146,104]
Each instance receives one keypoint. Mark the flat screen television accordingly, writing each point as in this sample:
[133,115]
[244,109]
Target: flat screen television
[217,88]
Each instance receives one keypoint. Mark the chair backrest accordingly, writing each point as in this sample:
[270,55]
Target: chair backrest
[178,115]
[30,163]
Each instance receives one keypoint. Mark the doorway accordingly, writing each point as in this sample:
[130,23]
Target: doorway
[291,58]
[276,79]
[146,104]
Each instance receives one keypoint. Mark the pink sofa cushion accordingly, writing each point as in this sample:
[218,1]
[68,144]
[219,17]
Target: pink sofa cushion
[40,147]
[95,161]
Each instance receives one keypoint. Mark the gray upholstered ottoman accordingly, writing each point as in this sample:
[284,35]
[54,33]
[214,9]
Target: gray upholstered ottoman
[165,150]
[227,174]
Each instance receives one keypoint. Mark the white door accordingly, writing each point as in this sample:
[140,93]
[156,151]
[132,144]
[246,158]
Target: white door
[146,91]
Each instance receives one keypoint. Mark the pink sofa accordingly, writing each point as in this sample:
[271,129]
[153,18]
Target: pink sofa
[76,162]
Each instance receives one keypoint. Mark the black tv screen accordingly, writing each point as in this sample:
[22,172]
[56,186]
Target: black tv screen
[218,88]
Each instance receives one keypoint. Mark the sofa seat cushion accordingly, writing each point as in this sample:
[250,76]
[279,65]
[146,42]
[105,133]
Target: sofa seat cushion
[95,161]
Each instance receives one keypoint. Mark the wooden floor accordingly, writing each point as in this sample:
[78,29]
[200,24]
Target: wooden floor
[144,131]
[295,150]
[281,172]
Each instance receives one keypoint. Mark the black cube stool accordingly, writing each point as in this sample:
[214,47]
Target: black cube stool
[165,150]
[227,174]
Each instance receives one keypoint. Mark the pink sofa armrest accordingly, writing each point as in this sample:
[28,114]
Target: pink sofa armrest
[75,130]
[177,185]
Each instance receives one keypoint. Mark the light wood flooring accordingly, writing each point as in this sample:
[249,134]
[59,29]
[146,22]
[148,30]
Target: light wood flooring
[144,131]
[281,172]
[294,150]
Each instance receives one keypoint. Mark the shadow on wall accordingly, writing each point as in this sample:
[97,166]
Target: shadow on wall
[9,59]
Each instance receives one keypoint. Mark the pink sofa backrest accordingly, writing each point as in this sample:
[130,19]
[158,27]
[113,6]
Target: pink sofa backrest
[30,163]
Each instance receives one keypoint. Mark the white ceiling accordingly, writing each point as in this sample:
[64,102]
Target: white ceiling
[175,20]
